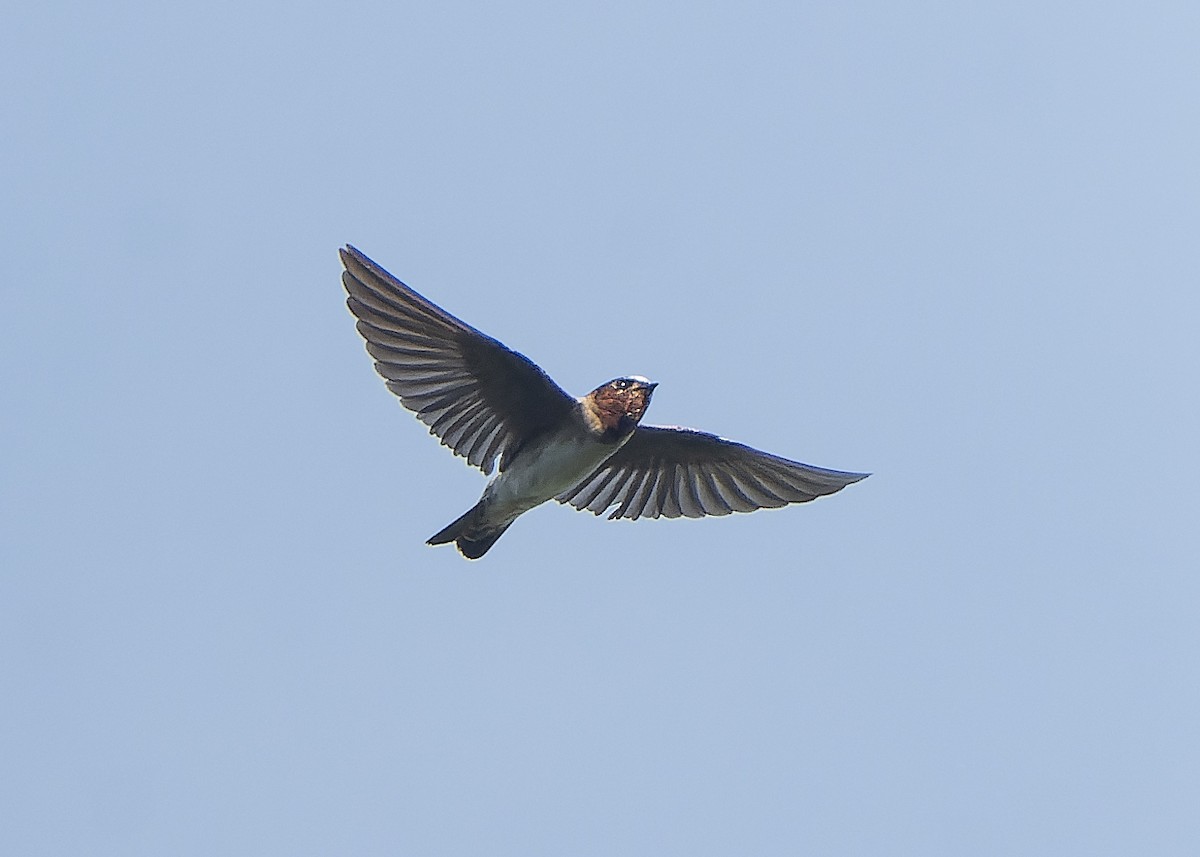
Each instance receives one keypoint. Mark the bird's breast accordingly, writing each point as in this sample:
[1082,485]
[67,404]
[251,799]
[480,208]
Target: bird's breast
[547,468]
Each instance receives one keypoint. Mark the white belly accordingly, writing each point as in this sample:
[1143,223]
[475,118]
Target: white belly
[535,477]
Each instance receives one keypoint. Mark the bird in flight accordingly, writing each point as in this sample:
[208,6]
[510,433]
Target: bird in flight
[487,402]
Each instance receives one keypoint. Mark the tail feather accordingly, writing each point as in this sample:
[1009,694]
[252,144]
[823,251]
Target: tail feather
[470,533]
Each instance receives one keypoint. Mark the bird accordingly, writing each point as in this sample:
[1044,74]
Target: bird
[488,403]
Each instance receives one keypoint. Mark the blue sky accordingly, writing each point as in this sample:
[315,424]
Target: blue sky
[949,244]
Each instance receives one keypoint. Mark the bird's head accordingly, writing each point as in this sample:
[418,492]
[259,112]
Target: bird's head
[622,402]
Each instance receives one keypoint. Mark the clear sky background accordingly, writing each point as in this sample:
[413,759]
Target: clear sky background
[952,244]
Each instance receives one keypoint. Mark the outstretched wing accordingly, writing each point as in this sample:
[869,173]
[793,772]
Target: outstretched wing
[479,397]
[669,472]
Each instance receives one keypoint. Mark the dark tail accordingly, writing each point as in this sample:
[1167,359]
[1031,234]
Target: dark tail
[470,534]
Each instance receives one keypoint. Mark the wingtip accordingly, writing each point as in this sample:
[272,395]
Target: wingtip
[360,266]
[848,478]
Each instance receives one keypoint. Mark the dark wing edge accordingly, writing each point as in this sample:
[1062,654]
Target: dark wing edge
[479,397]
[671,472]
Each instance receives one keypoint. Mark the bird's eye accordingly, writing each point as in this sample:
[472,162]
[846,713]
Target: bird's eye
[621,385]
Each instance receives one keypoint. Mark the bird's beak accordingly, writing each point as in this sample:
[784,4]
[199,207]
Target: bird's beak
[649,386]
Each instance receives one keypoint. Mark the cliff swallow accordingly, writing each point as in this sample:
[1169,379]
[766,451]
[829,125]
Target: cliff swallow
[487,402]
